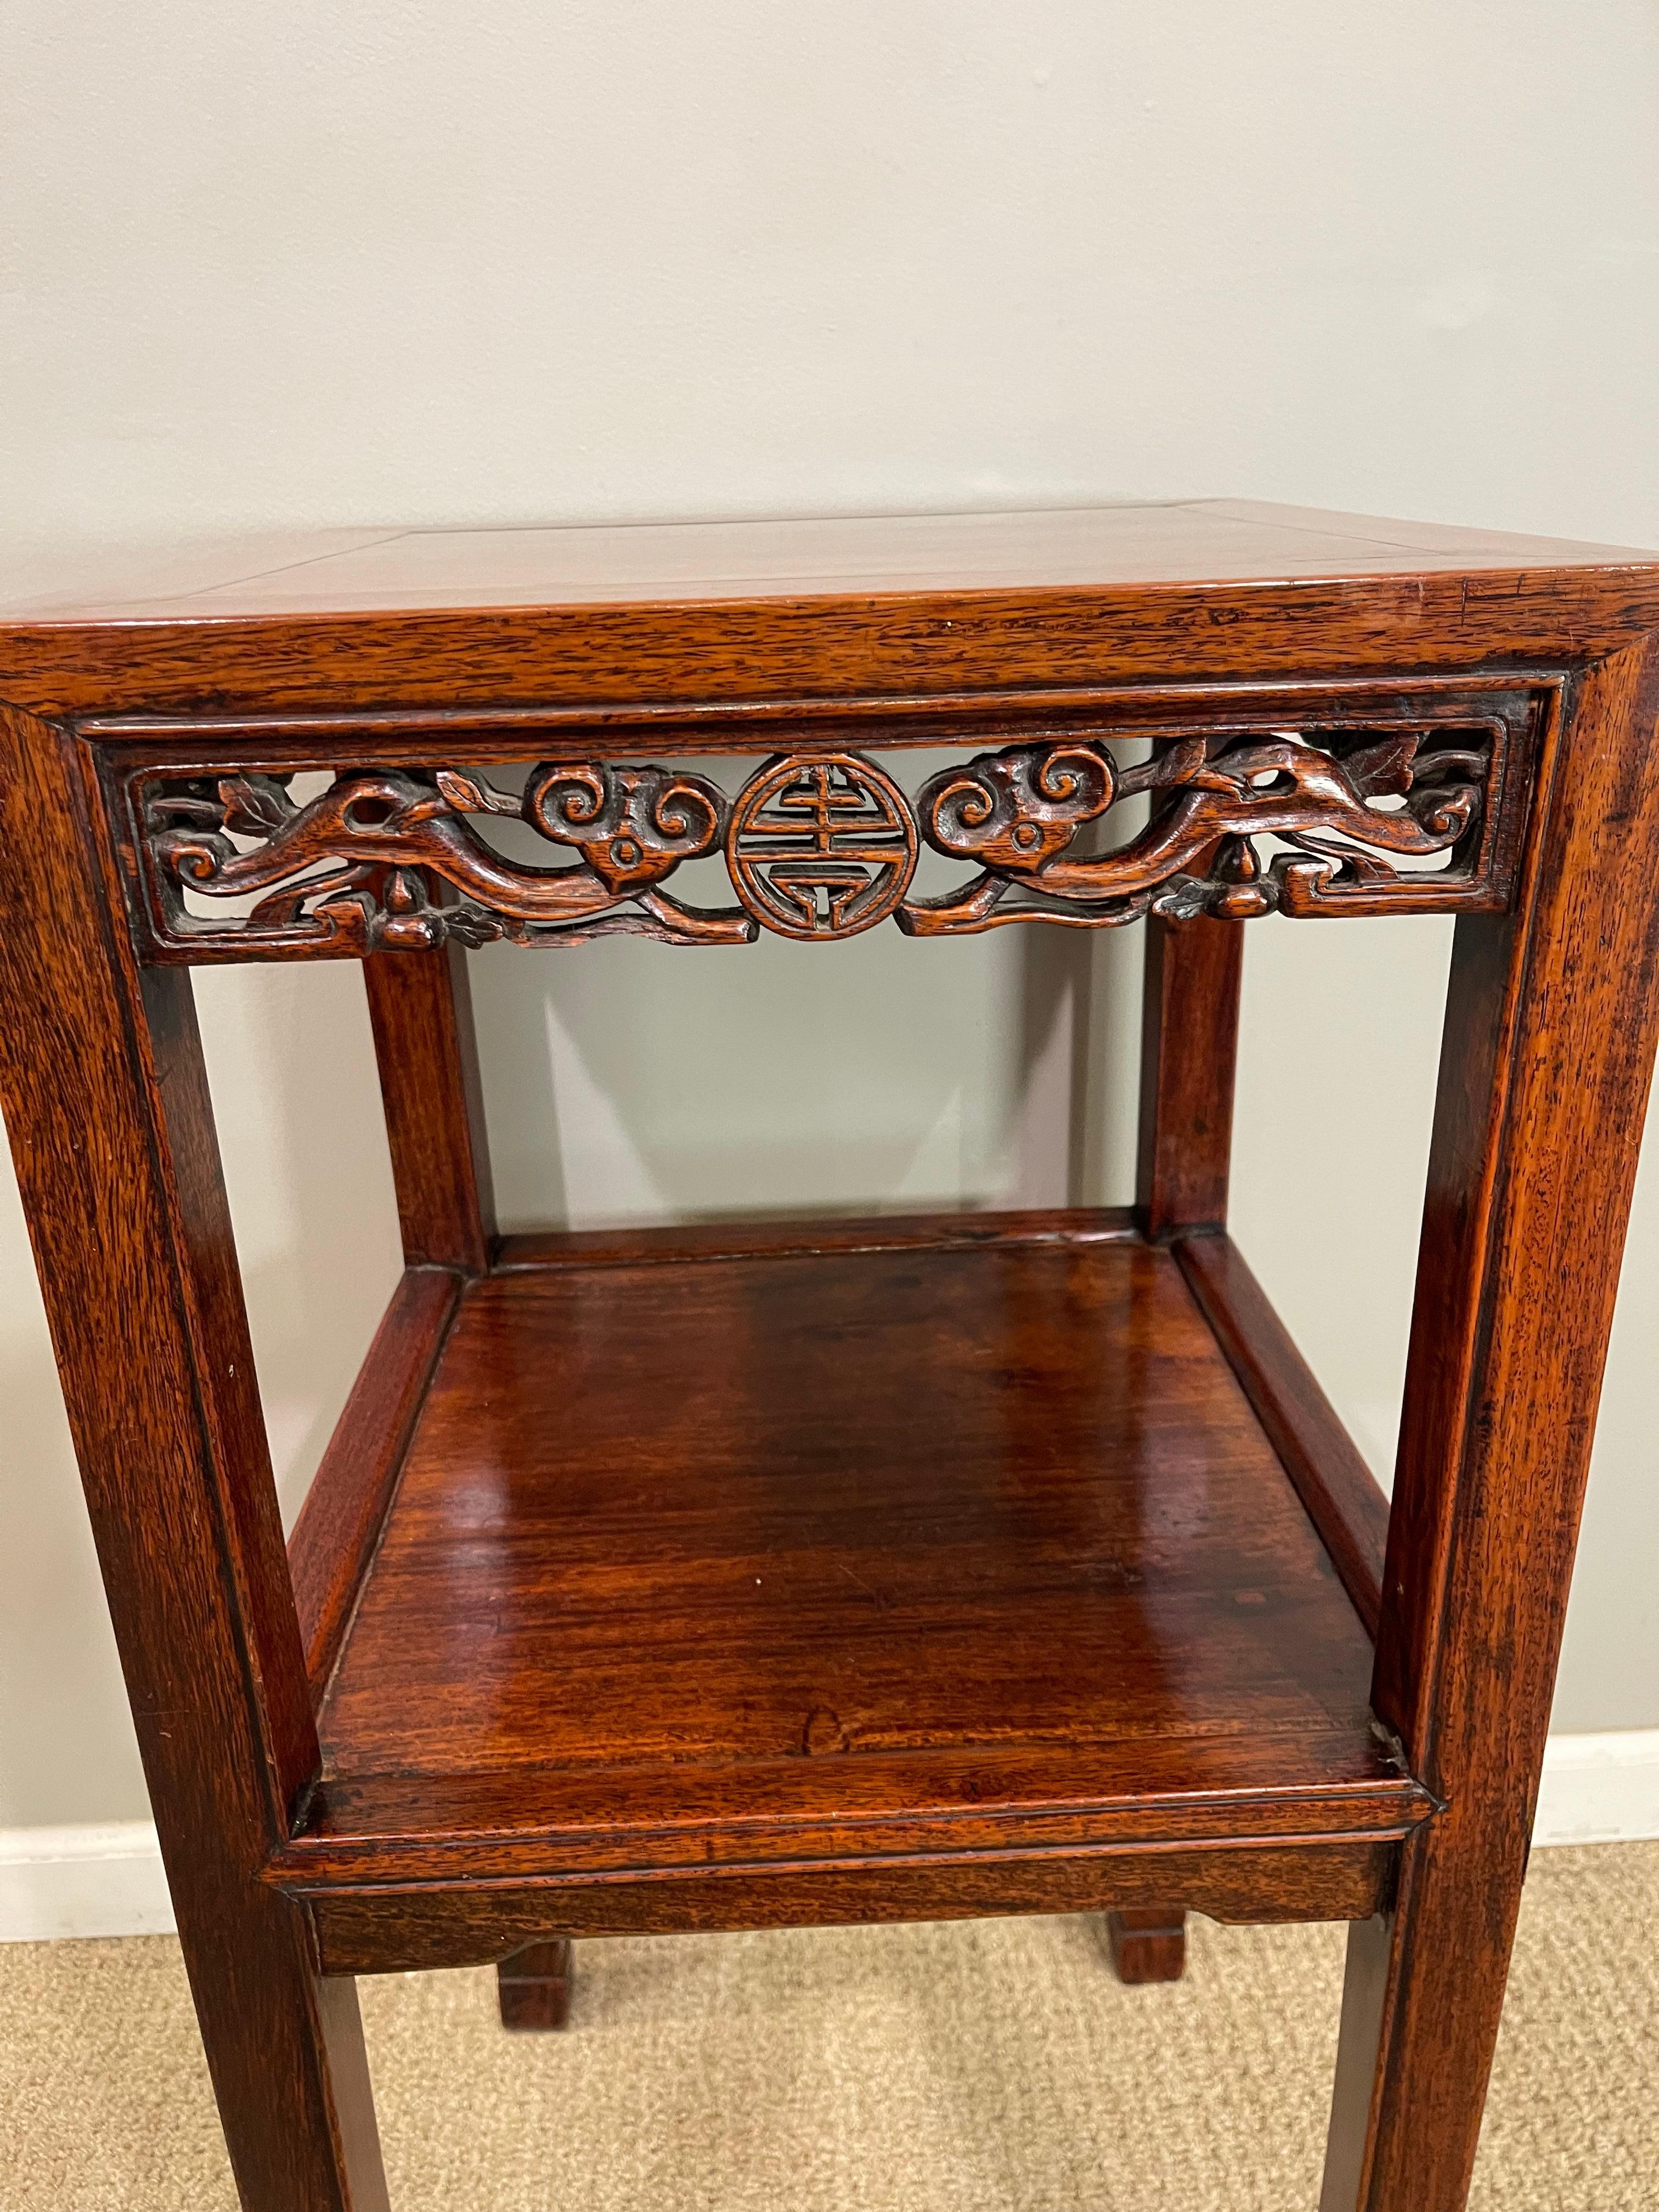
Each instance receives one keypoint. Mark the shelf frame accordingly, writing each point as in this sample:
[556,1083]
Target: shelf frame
[897,1834]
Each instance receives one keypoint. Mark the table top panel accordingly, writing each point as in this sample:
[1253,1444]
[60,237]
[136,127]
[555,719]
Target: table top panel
[1218,541]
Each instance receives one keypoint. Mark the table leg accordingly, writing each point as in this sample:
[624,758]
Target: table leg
[534,1985]
[1147,1945]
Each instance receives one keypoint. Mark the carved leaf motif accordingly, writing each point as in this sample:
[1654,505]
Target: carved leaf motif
[1352,860]
[467,925]
[1184,898]
[1180,763]
[462,794]
[468,795]
[280,911]
[254,806]
[1387,767]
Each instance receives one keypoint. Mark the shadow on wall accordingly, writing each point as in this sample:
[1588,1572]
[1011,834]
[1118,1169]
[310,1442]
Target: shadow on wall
[291,1067]
[292,1071]
[634,1083]
[67,1751]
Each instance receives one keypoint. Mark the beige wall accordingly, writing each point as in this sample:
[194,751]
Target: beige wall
[392,265]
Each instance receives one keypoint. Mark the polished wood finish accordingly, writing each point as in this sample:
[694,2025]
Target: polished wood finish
[1188,1060]
[1148,1946]
[1551,1019]
[420,1009]
[924,1633]
[106,1101]
[1130,543]
[793,1239]
[982,1540]
[1011,1492]
[823,843]
[533,1985]
[1190,986]
[1343,1500]
[378,1928]
[995,602]
[339,1524]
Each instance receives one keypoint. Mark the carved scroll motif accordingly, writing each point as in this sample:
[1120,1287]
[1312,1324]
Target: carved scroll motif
[358,869]
[1018,812]
[822,844]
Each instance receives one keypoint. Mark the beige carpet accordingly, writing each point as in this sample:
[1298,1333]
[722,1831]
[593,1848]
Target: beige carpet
[996,2067]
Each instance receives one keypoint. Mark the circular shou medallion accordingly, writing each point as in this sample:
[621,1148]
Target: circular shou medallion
[820,846]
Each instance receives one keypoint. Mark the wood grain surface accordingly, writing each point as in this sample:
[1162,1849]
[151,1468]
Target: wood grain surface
[797,1236]
[1256,598]
[339,1524]
[389,1927]
[533,1985]
[1147,1945]
[1551,1019]
[106,1106]
[782,1515]
[863,1574]
[420,1011]
[1344,1499]
[1188,1063]
[1201,540]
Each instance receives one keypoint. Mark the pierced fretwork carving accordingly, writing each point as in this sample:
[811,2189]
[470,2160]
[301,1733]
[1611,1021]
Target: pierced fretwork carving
[1018,811]
[358,869]
[821,845]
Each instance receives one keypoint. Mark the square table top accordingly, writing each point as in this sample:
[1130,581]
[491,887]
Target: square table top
[899,606]
[1218,541]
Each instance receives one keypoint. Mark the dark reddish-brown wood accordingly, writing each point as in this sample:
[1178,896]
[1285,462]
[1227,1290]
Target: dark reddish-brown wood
[420,1008]
[766,1820]
[1207,590]
[1189,1056]
[801,1700]
[1190,985]
[1343,1500]
[533,1985]
[783,1239]
[1147,1946]
[1550,1024]
[459,1923]
[339,1523]
[822,843]
[106,1103]
[983,1535]
[1041,1622]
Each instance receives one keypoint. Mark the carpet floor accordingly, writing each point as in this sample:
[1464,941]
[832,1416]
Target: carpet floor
[996,2065]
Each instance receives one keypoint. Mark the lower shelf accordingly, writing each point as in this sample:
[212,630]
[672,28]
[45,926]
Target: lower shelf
[705,1560]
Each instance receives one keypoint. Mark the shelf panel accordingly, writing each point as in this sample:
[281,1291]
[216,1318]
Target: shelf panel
[787,1555]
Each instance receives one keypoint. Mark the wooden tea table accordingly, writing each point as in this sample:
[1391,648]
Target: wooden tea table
[760,1575]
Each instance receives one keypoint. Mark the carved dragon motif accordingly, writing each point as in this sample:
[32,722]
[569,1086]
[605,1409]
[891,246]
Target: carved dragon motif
[822,844]
[354,866]
[1018,812]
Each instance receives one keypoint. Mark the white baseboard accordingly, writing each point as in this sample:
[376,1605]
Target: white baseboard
[1600,1789]
[82,1881]
[108,1880]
